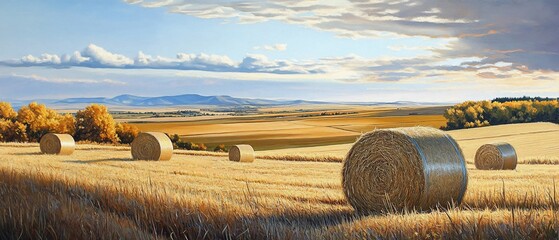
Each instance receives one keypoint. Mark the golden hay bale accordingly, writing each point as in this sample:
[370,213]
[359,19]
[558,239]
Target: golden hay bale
[152,146]
[403,169]
[241,153]
[61,144]
[496,156]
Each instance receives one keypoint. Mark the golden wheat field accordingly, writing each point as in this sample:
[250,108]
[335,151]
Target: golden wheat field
[99,192]
[275,129]
[532,141]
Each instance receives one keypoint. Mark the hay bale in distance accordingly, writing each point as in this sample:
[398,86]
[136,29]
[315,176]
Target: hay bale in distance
[61,144]
[403,169]
[496,156]
[241,153]
[152,146]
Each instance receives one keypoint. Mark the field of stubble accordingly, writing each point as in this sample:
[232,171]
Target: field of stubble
[99,193]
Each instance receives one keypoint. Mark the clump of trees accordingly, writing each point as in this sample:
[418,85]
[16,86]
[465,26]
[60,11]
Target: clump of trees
[484,113]
[96,124]
[178,143]
[92,124]
[40,120]
[126,132]
[31,122]
[220,148]
[525,98]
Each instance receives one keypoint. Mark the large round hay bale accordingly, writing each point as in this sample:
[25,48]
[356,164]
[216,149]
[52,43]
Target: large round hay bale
[404,169]
[152,146]
[61,144]
[241,153]
[496,156]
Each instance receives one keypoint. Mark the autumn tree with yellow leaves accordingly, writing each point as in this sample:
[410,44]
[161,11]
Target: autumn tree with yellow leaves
[484,113]
[95,124]
[40,120]
[10,129]
[126,132]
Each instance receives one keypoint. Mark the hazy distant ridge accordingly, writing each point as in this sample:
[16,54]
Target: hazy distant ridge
[128,100]
[185,99]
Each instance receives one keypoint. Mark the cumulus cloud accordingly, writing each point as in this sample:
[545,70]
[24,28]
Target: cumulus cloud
[91,56]
[275,47]
[350,68]
[94,56]
[99,55]
[523,33]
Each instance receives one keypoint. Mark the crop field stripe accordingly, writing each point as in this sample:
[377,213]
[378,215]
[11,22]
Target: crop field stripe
[507,135]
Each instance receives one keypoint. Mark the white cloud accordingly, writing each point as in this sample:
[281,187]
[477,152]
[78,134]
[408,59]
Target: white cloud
[94,56]
[350,68]
[483,28]
[101,56]
[44,58]
[275,47]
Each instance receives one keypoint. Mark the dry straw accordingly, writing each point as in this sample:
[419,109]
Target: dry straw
[241,153]
[61,144]
[404,169]
[152,146]
[496,156]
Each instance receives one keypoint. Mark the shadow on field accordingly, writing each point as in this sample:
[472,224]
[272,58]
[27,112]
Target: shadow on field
[102,160]
[317,220]
[27,154]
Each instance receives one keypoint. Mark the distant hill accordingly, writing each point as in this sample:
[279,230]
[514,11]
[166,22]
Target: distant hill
[127,100]
[182,100]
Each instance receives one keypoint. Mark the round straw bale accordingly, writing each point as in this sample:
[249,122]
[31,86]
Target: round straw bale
[403,169]
[61,144]
[152,146]
[496,156]
[241,153]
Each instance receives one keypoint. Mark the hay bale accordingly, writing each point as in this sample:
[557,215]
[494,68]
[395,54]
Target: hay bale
[241,153]
[496,156]
[152,146]
[403,169]
[61,144]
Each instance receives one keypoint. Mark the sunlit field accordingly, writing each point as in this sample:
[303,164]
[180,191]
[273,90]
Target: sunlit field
[283,128]
[534,142]
[99,192]
[279,119]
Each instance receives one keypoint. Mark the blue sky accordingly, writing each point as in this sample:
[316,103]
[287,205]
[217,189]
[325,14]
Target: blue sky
[316,50]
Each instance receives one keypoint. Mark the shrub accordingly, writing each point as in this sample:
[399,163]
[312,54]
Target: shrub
[6,111]
[39,120]
[95,124]
[220,148]
[66,124]
[201,147]
[190,146]
[126,132]
[175,138]
[12,131]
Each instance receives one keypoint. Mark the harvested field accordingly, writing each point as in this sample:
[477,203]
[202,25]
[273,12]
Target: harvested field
[530,140]
[295,129]
[102,189]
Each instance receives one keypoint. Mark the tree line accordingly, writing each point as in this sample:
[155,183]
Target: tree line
[92,124]
[485,113]
[524,98]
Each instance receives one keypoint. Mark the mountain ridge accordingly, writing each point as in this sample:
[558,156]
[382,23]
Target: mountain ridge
[129,100]
[183,99]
